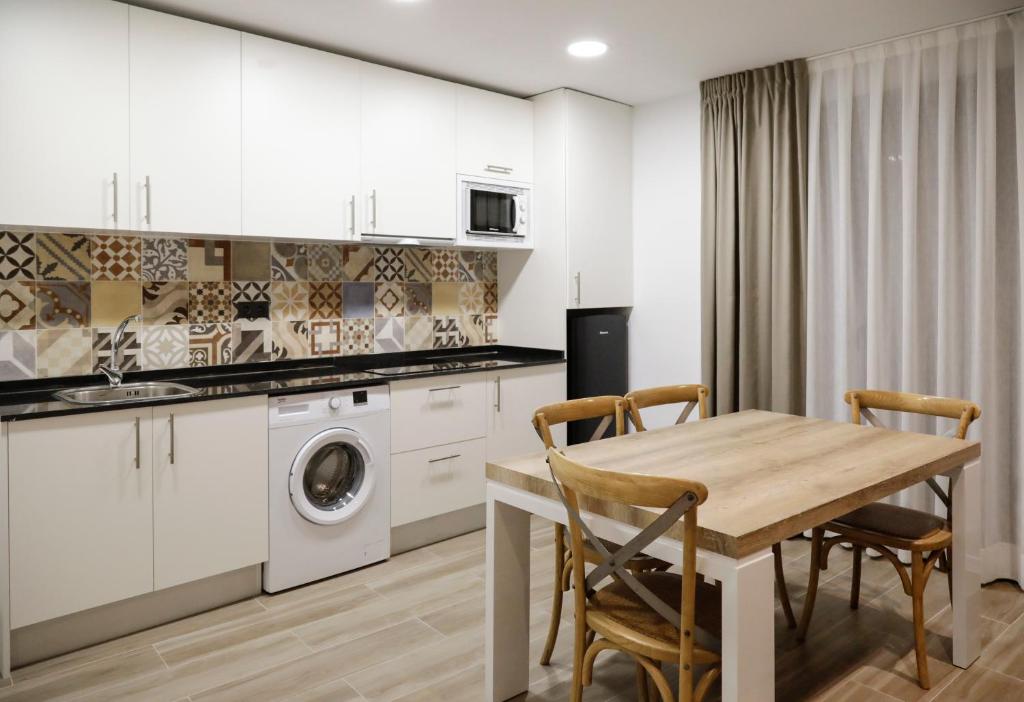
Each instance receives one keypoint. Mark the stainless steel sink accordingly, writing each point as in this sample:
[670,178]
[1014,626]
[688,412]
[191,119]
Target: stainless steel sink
[122,394]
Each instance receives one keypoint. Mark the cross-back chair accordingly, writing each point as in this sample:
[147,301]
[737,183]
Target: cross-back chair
[696,397]
[608,409]
[890,528]
[651,616]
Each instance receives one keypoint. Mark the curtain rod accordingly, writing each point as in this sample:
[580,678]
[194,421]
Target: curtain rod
[1001,13]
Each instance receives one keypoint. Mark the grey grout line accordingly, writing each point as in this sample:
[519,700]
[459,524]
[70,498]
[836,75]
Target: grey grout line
[434,628]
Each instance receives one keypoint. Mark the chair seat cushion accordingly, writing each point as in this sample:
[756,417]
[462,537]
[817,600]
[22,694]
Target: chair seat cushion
[893,520]
[616,607]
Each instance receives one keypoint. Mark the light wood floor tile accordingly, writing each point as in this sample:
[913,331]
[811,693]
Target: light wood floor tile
[60,685]
[980,684]
[336,691]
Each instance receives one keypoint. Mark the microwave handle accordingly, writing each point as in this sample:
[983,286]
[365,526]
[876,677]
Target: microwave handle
[515,214]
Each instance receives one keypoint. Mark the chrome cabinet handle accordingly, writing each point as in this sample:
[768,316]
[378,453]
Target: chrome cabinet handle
[138,444]
[446,387]
[114,215]
[172,437]
[352,221]
[578,287]
[445,458]
[497,389]
[373,209]
[498,169]
[149,202]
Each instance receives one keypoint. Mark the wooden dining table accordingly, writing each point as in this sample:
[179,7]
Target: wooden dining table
[769,476]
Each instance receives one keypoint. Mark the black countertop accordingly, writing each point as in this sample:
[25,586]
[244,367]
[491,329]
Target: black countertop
[31,399]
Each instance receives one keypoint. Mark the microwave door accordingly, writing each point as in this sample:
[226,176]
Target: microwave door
[492,213]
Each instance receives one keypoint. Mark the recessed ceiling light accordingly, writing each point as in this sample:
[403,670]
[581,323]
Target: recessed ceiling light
[587,48]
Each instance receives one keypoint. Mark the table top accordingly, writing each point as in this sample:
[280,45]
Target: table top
[769,476]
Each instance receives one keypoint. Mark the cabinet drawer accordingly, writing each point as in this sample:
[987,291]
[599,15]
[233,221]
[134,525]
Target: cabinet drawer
[437,480]
[435,411]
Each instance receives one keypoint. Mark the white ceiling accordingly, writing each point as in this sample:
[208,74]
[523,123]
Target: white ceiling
[658,47]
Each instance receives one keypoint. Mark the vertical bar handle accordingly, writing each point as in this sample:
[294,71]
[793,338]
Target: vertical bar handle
[352,221]
[171,419]
[138,444]
[114,214]
[373,209]
[497,393]
[578,287]
[149,202]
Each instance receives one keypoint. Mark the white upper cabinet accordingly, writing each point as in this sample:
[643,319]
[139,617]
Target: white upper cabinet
[185,125]
[495,135]
[64,120]
[408,154]
[300,141]
[598,201]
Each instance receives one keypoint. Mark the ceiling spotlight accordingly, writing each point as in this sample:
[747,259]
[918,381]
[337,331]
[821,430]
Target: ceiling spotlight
[587,48]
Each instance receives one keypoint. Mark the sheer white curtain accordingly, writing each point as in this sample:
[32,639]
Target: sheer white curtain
[914,246]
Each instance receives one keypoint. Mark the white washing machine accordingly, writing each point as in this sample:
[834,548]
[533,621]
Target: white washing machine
[330,504]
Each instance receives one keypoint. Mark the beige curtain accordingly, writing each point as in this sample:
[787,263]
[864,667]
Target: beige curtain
[754,237]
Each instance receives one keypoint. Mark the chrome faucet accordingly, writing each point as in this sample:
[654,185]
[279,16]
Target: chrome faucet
[113,369]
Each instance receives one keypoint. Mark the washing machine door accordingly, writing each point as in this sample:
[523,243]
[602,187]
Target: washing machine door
[332,476]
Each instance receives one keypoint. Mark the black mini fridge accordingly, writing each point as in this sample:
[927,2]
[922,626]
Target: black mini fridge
[598,363]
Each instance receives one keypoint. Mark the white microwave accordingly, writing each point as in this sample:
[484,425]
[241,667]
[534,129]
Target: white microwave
[493,213]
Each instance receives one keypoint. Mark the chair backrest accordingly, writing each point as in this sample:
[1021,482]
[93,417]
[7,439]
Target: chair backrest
[692,395]
[863,401]
[679,498]
[605,407]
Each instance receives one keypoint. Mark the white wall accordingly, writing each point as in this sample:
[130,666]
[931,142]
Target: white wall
[664,328]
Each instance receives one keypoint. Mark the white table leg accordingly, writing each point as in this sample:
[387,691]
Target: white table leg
[965,488]
[507,642]
[748,630]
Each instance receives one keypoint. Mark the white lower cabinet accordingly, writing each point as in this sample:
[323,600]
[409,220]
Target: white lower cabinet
[100,513]
[512,397]
[436,480]
[81,512]
[434,411]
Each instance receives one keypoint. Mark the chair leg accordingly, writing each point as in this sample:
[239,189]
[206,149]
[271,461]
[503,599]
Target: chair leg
[817,536]
[858,552]
[579,650]
[556,598]
[920,646]
[641,684]
[780,583]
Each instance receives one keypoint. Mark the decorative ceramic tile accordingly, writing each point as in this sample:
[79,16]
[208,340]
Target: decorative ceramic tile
[210,302]
[62,305]
[288,261]
[490,328]
[129,355]
[490,298]
[164,347]
[289,301]
[17,305]
[17,355]
[290,340]
[324,262]
[487,267]
[357,300]
[324,300]
[113,300]
[63,257]
[164,259]
[418,298]
[389,300]
[419,265]
[209,260]
[389,263]
[209,344]
[357,337]
[470,265]
[471,298]
[357,264]
[448,267]
[251,341]
[63,352]
[445,302]
[388,335]
[325,337]
[17,256]
[419,333]
[116,257]
[251,300]
[164,302]
[473,327]
[250,260]
[448,333]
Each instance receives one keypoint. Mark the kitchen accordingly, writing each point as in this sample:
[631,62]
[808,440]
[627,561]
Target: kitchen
[283,306]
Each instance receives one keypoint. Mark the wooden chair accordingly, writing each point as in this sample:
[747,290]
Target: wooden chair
[889,528]
[653,616]
[607,408]
[697,396]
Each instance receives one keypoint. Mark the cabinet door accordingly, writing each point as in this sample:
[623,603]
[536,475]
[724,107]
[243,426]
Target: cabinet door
[81,512]
[433,411]
[64,124]
[185,125]
[408,154]
[512,397]
[437,480]
[598,201]
[210,488]
[300,141]
[495,135]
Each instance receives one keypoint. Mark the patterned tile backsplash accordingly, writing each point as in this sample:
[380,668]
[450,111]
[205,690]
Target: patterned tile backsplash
[208,302]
